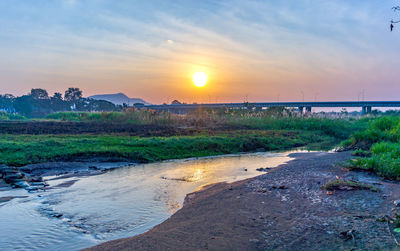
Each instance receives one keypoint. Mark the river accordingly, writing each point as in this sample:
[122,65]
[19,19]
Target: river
[117,204]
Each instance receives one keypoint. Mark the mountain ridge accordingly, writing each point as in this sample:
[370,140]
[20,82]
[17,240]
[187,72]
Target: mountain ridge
[118,99]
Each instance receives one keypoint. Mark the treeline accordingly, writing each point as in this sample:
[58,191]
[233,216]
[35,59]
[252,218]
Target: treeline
[38,103]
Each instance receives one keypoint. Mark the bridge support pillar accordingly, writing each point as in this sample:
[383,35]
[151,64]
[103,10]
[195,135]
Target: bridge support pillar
[366,109]
[308,109]
[300,109]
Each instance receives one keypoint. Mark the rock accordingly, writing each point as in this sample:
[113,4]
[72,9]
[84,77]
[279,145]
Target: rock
[245,169]
[36,179]
[57,215]
[13,177]
[31,189]
[38,184]
[279,187]
[262,169]
[347,235]
[396,203]
[9,170]
[20,184]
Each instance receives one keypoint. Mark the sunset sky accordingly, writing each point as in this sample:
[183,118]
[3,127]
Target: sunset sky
[250,50]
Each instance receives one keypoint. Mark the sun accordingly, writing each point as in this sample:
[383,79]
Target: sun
[200,79]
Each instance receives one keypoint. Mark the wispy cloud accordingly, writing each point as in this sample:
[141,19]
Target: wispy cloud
[264,47]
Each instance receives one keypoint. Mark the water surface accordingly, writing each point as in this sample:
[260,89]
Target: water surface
[120,203]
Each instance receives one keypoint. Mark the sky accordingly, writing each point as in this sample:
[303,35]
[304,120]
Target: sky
[251,50]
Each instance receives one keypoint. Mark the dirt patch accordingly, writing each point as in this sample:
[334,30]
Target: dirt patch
[285,209]
[58,127]
[64,127]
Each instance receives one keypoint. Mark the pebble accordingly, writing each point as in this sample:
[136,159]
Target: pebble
[57,215]
[21,184]
[31,189]
[396,203]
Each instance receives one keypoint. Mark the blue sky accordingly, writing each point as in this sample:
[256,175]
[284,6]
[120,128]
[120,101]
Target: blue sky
[255,50]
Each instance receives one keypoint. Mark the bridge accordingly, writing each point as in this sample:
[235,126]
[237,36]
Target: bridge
[366,106]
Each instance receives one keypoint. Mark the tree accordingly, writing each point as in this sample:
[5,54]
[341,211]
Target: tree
[9,96]
[39,94]
[57,96]
[73,94]
[6,102]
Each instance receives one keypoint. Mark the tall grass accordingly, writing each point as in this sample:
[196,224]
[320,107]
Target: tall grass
[276,119]
[382,140]
[133,117]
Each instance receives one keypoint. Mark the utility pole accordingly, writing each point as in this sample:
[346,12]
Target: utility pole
[315,97]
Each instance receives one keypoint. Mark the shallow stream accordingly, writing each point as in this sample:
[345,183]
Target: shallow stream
[119,203]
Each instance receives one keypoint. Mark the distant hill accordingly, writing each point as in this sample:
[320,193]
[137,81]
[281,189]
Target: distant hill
[119,99]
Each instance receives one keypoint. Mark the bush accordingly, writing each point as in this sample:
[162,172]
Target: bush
[11,116]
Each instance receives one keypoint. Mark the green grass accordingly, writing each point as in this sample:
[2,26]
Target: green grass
[18,150]
[379,147]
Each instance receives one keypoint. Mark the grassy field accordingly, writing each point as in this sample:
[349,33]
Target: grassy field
[18,150]
[215,133]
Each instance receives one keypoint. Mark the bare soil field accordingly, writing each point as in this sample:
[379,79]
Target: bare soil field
[58,127]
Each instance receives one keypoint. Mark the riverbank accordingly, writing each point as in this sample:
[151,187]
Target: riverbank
[284,209]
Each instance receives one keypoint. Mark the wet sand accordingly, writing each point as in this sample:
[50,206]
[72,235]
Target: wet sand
[285,209]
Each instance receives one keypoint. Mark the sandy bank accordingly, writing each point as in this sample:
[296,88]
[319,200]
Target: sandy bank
[285,209]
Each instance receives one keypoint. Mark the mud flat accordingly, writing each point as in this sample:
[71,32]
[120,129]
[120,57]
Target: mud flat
[285,209]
